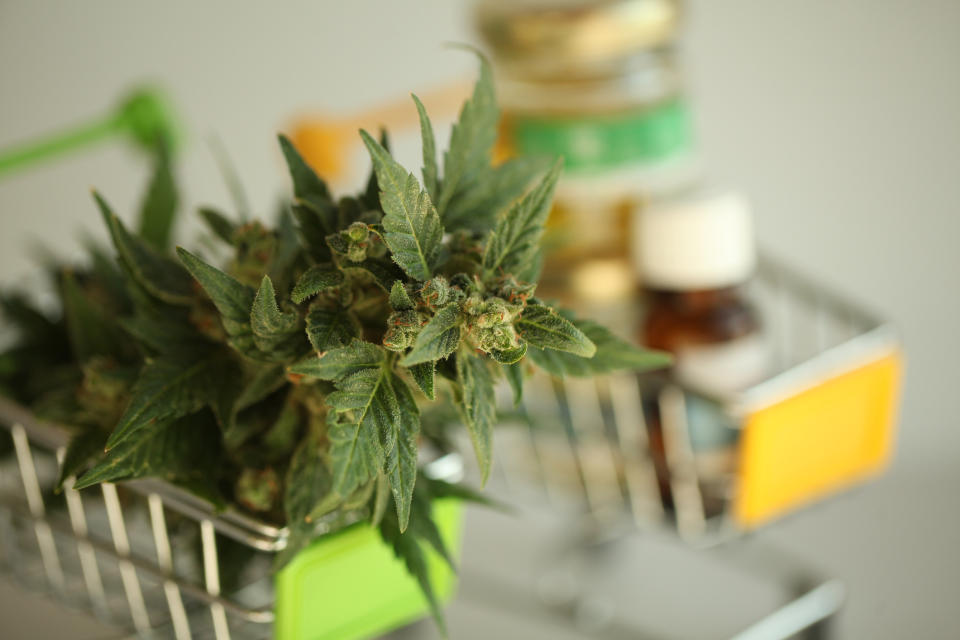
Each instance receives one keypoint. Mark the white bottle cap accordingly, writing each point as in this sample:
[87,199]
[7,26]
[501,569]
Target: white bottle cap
[705,242]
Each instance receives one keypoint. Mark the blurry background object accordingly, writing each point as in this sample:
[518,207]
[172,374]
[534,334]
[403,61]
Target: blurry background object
[598,83]
[848,146]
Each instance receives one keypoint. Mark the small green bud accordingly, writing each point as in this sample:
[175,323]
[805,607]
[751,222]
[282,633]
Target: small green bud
[403,327]
[258,489]
[436,293]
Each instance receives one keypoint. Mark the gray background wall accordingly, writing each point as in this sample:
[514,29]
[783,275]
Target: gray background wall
[841,120]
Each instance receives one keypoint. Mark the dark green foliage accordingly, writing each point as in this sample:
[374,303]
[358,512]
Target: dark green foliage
[281,381]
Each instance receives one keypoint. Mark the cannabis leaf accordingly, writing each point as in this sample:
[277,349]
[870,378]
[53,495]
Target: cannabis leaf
[169,386]
[91,331]
[159,275]
[612,354]
[543,327]
[314,280]
[367,410]
[424,375]
[160,203]
[308,188]
[514,375]
[341,362]
[408,546]
[232,298]
[401,461]
[477,404]
[330,328]
[471,140]
[430,170]
[181,450]
[83,448]
[515,242]
[276,333]
[218,223]
[411,225]
[308,480]
[438,338]
[492,190]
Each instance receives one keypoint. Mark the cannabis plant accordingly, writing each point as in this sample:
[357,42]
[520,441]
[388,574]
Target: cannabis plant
[289,380]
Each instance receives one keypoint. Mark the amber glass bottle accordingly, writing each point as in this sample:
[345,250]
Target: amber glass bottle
[693,257]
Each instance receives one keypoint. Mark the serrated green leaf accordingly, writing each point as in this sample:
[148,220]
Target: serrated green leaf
[162,277]
[401,460]
[309,187]
[510,356]
[477,404]
[371,195]
[230,178]
[313,232]
[91,331]
[276,333]
[612,354]
[408,546]
[83,447]
[308,482]
[438,338]
[383,273]
[424,374]
[330,328]
[169,386]
[367,411]
[219,224]
[265,380]
[544,328]
[341,362]
[486,196]
[184,451]
[314,280]
[514,374]
[159,206]
[430,170]
[471,139]
[233,300]
[514,245]
[399,298]
[381,499]
[412,228]
[266,319]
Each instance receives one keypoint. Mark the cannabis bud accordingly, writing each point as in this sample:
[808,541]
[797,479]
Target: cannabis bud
[258,489]
[491,325]
[437,292]
[402,329]
[352,243]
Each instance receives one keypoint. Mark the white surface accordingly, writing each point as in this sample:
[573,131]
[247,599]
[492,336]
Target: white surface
[840,121]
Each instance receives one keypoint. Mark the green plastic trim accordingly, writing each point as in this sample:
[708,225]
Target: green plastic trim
[350,585]
[145,117]
[595,143]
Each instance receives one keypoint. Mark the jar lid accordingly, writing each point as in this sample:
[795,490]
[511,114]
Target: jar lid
[544,36]
[701,242]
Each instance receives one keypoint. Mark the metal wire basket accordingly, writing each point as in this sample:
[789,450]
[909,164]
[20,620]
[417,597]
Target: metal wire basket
[820,420]
[143,555]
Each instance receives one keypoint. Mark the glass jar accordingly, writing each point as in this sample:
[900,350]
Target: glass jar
[597,83]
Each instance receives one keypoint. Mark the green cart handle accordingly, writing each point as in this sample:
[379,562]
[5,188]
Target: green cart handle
[144,117]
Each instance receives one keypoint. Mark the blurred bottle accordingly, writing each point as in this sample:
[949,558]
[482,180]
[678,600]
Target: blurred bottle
[596,83]
[694,256]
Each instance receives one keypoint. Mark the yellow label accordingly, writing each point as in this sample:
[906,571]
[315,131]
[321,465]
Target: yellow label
[817,442]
